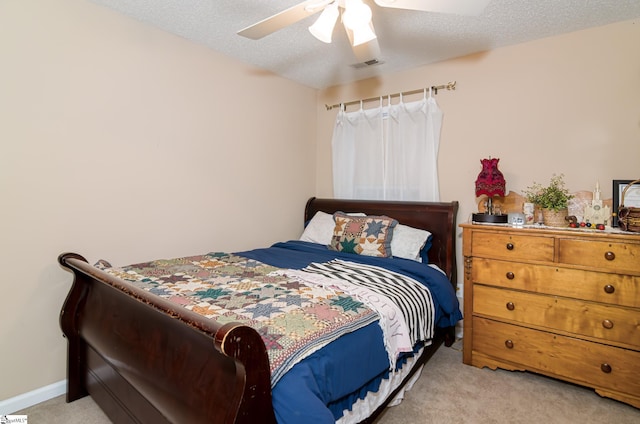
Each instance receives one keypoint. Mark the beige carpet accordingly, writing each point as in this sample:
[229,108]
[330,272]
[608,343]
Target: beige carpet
[447,392]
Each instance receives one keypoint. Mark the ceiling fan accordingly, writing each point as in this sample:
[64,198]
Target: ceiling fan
[356,17]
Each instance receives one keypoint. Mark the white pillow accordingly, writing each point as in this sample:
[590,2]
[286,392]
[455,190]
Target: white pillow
[320,228]
[408,241]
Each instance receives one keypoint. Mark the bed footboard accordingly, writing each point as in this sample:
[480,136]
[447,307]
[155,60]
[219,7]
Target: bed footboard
[145,360]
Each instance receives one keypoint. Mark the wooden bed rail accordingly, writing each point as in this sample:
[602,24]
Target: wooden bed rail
[173,368]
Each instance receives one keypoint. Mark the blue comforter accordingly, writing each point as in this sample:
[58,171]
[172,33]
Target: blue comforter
[323,385]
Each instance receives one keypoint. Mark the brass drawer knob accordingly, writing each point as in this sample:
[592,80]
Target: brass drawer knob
[511,306]
[608,324]
[609,256]
[510,275]
[508,344]
[606,368]
[609,288]
[510,246]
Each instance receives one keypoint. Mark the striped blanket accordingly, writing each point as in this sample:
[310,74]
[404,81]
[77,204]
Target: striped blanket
[404,305]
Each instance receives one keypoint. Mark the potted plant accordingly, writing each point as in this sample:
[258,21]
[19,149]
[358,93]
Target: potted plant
[552,199]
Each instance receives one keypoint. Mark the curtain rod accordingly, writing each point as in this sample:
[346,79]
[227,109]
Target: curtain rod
[435,88]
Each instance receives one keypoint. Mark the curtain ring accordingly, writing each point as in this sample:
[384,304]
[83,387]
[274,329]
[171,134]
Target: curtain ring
[361,105]
[430,91]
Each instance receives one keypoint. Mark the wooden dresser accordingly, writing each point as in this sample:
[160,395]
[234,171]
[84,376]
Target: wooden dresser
[563,303]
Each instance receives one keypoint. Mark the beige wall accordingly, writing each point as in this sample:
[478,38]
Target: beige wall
[567,104]
[120,141]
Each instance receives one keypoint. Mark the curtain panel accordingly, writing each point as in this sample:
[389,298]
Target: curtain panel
[389,152]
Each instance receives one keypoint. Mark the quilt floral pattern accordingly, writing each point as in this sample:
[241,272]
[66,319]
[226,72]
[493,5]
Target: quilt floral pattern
[293,319]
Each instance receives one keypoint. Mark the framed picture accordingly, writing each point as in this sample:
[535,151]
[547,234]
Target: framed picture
[631,197]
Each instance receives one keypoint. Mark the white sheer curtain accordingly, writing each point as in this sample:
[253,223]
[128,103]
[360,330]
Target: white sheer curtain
[358,155]
[389,152]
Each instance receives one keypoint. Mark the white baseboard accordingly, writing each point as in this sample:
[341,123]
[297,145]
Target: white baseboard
[25,400]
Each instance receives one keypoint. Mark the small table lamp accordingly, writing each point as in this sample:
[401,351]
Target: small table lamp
[490,182]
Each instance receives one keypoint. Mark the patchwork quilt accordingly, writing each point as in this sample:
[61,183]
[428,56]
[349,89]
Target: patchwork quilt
[294,319]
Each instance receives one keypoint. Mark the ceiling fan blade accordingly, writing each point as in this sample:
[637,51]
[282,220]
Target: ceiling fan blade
[283,19]
[458,7]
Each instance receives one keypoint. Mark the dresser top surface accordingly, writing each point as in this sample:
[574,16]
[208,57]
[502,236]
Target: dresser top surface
[608,232]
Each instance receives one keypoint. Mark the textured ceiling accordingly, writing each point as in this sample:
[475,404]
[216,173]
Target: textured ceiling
[407,38]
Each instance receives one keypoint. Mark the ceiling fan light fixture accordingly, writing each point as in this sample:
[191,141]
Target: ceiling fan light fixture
[363,34]
[356,14]
[322,29]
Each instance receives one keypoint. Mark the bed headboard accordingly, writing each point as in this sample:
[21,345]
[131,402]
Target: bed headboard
[439,218]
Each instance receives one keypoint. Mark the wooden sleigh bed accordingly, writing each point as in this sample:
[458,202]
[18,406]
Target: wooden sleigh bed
[144,359]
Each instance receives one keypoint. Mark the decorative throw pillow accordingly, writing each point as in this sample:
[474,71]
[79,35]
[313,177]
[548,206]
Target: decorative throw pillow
[407,242]
[368,235]
[320,228]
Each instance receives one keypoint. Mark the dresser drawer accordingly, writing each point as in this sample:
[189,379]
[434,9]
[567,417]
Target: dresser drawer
[512,247]
[616,257]
[589,363]
[609,323]
[601,287]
